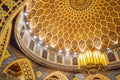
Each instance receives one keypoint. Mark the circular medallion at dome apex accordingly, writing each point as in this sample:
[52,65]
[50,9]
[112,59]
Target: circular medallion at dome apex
[62,28]
[80,4]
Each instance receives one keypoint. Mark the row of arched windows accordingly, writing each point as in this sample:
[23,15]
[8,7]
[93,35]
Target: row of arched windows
[37,49]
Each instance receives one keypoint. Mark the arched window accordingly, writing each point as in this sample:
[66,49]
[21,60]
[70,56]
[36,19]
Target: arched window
[52,56]
[44,54]
[67,59]
[31,46]
[22,32]
[56,76]
[97,77]
[18,69]
[75,62]
[38,48]
[118,52]
[111,56]
[59,59]
[26,38]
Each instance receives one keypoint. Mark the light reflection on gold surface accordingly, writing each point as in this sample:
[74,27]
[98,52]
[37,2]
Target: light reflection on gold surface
[63,28]
[91,57]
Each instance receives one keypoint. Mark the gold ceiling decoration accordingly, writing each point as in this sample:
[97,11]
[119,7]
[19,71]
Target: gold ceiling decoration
[92,23]
[80,4]
[92,61]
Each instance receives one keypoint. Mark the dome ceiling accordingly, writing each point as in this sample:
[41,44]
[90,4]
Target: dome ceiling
[75,25]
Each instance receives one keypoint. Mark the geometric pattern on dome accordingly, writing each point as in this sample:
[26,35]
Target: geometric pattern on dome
[79,4]
[62,28]
[7,7]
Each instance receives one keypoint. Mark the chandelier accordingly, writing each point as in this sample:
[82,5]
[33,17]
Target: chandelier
[92,61]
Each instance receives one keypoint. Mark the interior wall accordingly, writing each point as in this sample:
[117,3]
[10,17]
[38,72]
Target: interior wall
[41,72]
